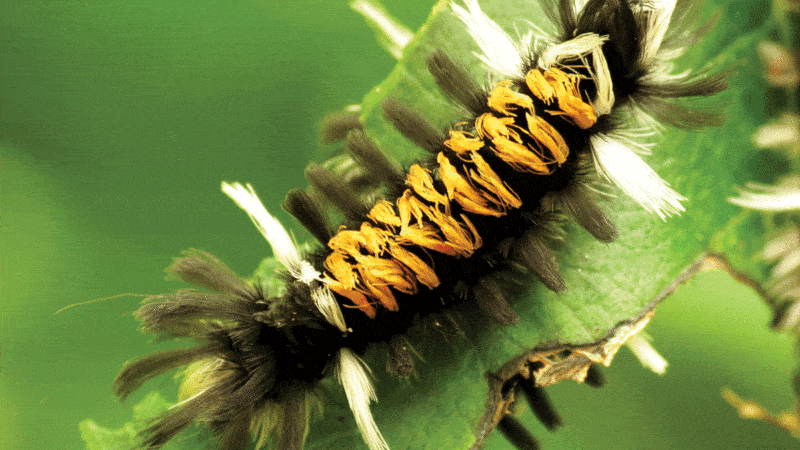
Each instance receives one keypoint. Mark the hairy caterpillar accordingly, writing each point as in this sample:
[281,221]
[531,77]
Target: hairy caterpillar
[499,180]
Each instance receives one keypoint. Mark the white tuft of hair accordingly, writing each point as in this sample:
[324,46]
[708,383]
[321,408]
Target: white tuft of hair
[779,246]
[783,132]
[282,245]
[499,52]
[574,48]
[580,47]
[353,373]
[604,100]
[761,197]
[326,304]
[787,264]
[622,166]
[646,354]
[657,25]
[286,252]
[780,64]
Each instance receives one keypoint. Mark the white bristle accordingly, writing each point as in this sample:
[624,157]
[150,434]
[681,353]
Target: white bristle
[326,304]
[646,354]
[781,65]
[623,167]
[779,246]
[282,245]
[353,373]
[499,52]
[574,48]
[783,132]
[784,197]
[658,23]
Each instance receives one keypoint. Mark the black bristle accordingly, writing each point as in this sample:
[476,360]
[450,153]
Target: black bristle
[337,192]
[291,434]
[492,301]
[205,270]
[400,362]
[300,205]
[622,50]
[139,371]
[344,167]
[702,84]
[367,153]
[414,126]
[578,203]
[538,257]
[594,377]
[540,404]
[172,422]
[234,434]
[336,126]
[260,378]
[184,312]
[677,114]
[456,82]
[517,434]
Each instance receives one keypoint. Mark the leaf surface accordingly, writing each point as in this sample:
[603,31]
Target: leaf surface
[608,284]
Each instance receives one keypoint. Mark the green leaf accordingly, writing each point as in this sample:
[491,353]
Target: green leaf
[608,284]
[127,436]
[97,437]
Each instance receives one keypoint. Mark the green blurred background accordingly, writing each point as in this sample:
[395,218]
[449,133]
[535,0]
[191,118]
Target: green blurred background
[118,121]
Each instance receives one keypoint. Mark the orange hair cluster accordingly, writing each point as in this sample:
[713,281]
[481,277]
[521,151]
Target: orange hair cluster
[385,253]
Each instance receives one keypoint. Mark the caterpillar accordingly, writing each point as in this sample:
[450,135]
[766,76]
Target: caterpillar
[565,111]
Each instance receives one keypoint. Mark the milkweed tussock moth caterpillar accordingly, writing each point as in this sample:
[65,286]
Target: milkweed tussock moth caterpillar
[495,184]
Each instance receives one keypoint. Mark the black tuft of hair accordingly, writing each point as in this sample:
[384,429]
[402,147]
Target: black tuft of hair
[540,404]
[300,205]
[414,126]
[594,377]
[205,270]
[701,84]
[578,203]
[491,299]
[337,192]
[335,127]
[367,153]
[139,371]
[679,115]
[517,434]
[615,19]
[457,83]
[400,362]
[537,256]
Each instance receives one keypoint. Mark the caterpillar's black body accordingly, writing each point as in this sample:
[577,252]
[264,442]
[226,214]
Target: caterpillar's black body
[263,352]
